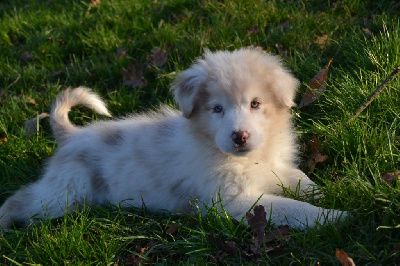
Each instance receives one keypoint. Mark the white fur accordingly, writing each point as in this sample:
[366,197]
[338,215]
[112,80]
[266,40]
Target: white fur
[167,158]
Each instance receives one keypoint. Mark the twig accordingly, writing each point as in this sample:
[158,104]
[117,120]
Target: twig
[375,93]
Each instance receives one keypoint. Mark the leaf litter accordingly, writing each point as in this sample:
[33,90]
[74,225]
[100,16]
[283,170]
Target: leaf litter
[389,178]
[262,241]
[158,57]
[314,146]
[134,75]
[343,258]
[317,86]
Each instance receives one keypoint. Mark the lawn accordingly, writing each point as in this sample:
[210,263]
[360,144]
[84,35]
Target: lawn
[111,46]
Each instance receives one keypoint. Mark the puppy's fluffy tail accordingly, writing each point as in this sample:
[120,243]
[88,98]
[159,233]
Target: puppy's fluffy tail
[60,123]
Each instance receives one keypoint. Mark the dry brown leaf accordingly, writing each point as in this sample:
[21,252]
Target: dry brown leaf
[96,2]
[285,25]
[316,88]
[314,146]
[367,32]
[343,258]
[134,75]
[280,233]
[58,40]
[251,30]
[158,57]
[317,158]
[334,6]
[121,52]
[31,126]
[257,223]
[172,229]
[322,40]
[227,248]
[390,177]
[26,56]
[32,101]
[281,50]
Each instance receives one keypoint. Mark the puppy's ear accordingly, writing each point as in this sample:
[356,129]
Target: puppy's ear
[286,86]
[188,84]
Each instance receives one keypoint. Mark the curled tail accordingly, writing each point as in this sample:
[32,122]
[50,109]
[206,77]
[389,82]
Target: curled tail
[60,123]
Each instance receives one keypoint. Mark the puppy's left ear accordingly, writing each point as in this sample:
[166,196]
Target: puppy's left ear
[188,84]
[286,86]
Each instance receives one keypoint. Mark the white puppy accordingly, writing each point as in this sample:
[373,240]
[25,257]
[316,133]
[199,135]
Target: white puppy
[233,136]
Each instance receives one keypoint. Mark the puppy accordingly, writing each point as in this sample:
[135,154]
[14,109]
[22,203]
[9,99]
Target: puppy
[233,136]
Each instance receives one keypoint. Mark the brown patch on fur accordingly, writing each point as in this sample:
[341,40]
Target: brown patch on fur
[140,155]
[82,157]
[98,182]
[20,198]
[112,136]
[177,187]
[164,129]
[201,98]
[186,89]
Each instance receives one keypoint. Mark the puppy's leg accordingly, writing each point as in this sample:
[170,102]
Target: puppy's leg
[295,179]
[296,214]
[37,200]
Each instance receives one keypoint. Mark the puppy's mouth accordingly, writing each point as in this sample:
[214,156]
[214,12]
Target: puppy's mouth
[240,150]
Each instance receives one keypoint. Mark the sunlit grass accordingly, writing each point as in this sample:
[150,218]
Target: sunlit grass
[73,43]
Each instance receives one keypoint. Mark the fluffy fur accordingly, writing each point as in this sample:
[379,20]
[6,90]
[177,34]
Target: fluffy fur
[233,136]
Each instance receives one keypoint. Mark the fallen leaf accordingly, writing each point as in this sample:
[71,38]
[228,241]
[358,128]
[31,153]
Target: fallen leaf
[121,52]
[316,88]
[343,258]
[227,248]
[32,101]
[281,51]
[282,232]
[58,40]
[390,177]
[334,6]
[314,146]
[367,32]
[285,25]
[220,255]
[322,40]
[158,57]
[26,56]
[251,30]
[95,2]
[172,229]
[257,223]
[31,126]
[134,75]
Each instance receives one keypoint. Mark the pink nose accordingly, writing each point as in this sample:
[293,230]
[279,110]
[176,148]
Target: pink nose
[240,137]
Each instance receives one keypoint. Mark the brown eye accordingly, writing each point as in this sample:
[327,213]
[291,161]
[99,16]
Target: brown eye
[254,104]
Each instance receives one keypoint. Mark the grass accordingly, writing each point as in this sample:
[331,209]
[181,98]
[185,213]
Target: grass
[47,46]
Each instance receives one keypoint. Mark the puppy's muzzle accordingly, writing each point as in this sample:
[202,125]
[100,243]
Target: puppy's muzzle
[240,137]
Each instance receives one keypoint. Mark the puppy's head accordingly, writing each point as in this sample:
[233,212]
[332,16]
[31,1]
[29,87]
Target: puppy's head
[238,99]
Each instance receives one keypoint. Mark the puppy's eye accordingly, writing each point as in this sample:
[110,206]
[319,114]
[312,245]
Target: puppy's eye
[254,104]
[218,109]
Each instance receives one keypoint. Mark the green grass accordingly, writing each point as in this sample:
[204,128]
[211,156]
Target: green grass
[73,43]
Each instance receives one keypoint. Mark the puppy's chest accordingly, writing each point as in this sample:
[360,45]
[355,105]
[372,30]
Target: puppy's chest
[243,172]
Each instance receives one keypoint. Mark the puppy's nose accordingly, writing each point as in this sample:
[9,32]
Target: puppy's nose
[240,137]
